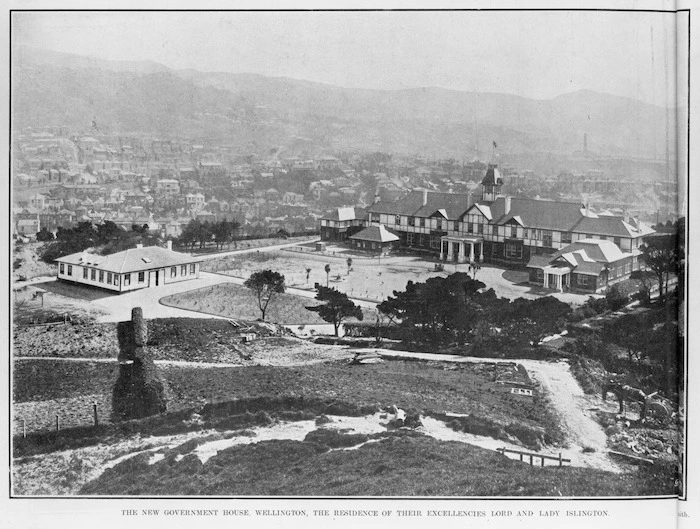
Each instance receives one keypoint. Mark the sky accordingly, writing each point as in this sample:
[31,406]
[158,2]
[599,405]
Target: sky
[532,54]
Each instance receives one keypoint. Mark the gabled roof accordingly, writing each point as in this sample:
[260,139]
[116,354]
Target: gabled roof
[132,260]
[587,256]
[375,234]
[453,204]
[541,214]
[595,249]
[612,226]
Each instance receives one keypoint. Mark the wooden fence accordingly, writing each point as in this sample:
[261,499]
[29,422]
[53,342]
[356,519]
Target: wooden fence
[533,456]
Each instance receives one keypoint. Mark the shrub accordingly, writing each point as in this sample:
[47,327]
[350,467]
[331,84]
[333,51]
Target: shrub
[615,298]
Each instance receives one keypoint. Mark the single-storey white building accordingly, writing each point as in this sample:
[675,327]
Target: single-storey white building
[131,269]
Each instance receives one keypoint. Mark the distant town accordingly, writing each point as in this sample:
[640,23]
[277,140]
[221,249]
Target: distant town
[63,176]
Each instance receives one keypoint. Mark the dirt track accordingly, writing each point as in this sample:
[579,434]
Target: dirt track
[566,397]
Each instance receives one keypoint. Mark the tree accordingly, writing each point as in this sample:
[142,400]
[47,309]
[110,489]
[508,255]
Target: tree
[615,298]
[632,332]
[266,285]
[349,262]
[327,268]
[223,232]
[661,255]
[44,235]
[439,309]
[337,307]
[308,272]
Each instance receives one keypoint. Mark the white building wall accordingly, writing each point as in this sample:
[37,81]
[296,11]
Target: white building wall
[77,277]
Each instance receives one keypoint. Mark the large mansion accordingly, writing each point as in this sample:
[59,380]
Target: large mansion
[496,229]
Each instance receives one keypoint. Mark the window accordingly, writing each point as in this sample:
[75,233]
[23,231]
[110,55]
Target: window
[142,277]
[127,280]
[566,237]
[582,280]
[397,220]
[540,275]
[192,269]
[61,268]
[525,234]
[512,251]
[435,243]
[470,227]
[422,222]
[409,239]
[102,276]
[494,250]
[70,270]
[411,221]
[183,270]
[85,273]
[374,217]
[513,231]
[116,280]
[374,246]
[480,228]
[173,271]
[438,224]
[93,274]
[547,238]
[109,278]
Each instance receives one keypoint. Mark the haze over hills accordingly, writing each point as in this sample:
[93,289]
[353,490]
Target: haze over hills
[261,113]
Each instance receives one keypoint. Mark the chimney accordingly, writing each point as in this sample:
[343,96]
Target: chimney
[376,198]
[169,245]
[138,246]
[425,197]
[507,203]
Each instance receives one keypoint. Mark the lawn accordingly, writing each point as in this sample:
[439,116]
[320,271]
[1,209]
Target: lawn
[238,302]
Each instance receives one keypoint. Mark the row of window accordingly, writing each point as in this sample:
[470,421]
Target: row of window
[511,230]
[113,279]
[581,280]
[413,239]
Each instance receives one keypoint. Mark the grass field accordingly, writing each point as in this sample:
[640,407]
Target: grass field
[466,389]
[238,302]
[405,465]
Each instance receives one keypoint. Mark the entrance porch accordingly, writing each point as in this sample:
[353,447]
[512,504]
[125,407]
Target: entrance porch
[454,248]
[557,277]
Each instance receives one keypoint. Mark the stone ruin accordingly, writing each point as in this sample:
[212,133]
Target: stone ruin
[139,391]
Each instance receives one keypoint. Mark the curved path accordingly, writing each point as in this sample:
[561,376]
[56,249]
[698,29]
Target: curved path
[564,394]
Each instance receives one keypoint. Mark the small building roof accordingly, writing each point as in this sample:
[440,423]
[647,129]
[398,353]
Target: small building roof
[375,234]
[132,260]
[342,214]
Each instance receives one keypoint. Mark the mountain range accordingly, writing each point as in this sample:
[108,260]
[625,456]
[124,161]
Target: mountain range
[259,114]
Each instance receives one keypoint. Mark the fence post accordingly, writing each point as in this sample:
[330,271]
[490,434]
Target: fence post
[57,422]
[542,459]
[530,460]
[560,461]
[24,428]
[521,457]
[94,412]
